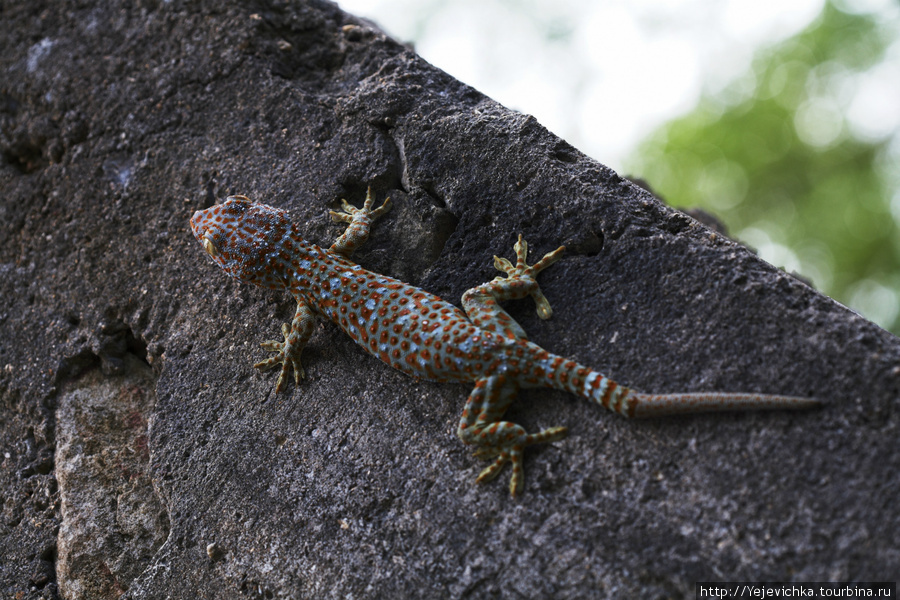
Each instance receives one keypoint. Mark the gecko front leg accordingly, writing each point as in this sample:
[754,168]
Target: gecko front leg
[288,351]
[360,220]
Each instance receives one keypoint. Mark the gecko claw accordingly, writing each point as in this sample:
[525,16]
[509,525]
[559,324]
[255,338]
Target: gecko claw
[350,211]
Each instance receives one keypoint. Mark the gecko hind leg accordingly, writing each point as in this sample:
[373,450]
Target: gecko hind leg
[503,441]
[481,303]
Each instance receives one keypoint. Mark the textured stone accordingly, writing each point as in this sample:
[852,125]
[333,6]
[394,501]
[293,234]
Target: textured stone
[119,119]
[112,520]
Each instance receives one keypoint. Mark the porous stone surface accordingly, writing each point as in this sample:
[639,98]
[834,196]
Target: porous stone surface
[141,456]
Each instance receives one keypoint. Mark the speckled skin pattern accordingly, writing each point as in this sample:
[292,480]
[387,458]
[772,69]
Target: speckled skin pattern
[424,336]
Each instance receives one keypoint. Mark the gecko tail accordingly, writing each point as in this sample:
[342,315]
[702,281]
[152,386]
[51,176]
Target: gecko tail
[633,404]
[568,375]
[641,405]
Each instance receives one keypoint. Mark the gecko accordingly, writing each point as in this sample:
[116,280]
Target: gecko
[424,336]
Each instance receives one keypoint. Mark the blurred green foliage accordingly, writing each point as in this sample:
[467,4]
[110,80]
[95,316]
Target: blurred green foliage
[776,157]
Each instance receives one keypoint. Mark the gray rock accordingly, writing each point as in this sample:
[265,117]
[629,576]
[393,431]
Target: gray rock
[119,119]
[112,520]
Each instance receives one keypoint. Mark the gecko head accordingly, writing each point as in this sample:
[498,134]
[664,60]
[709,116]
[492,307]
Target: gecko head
[247,240]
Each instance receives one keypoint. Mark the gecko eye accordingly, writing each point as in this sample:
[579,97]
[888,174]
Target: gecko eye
[210,247]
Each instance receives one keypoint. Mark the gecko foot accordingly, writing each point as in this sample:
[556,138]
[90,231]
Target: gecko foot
[523,273]
[511,450]
[288,355]
[349,211]
[360,220]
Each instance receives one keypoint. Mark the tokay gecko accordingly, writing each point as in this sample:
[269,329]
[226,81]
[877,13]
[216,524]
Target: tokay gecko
[423,335]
